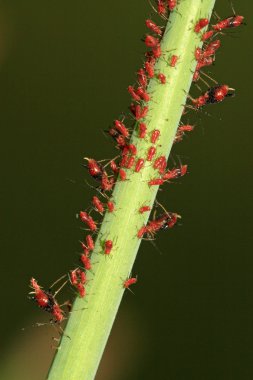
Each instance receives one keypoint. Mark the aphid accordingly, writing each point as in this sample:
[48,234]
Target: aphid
[130,162]
[73,277]
[87,219]
[144,209]
[151,153]
[198,53]
[152,26]
[121,128]
[139,165]
[81,290]
[142,78]
[106,183]
[142,130]
[204,61]
[171,4]
[132,149]
[108,247]
[166,220]
[162,78]
[77,276]
[156,182]
[122,174]
[46,300]
[211,48]
[90,242]
[161,7]
[155,136]
[138,111]
[94,168]
[173,60]
[129,281]
[114,166]
[160,164]
[175,173]
[230,22]
[214,95]
[85,260]
[149,67]
[207,35]
[143,94]
[201,24]
[157,51]
[196,76]
[133,93]
[151,41]
[118,137]
[98,204]
[110,206]
[181,131]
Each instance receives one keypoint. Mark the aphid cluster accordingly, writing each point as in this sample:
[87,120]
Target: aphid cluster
[128,161]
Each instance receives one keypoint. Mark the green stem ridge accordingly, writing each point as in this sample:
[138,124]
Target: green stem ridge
[78,358]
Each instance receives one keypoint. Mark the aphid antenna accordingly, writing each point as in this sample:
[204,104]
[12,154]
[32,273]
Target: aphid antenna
[152,241]
[209,77]
[56,282]
[61,287]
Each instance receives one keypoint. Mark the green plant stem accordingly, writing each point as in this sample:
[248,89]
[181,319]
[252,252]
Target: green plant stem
[78,357]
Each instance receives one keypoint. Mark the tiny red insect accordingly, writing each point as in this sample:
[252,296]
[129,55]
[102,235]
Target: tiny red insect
[151,153]
[114,166]
[81,290]
[205,61]
[157,51]
[98,204]
[149,67]
[108,247]
[156,182]
[138,111]
[166,220]
[139,164]
[121,128]
[202,23]
[129,281]
[132,149]
[151,41]
[118,137]
[94,168]
[90,242]
[213,95]
[106,183]
[87,219]
[122,174]
[144,209]
[161,8]
[143,94]
[133,93]
[152,26]
[173,60]
[142,78]
[85,260]
[162,78]
[110,206]
[130,162]
[142,130]
[230,22]
[160,164]
[207,35]
[175,173]
[211,48]
[155,136]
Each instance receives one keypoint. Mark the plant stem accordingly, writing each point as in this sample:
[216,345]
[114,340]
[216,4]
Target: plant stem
[78,357]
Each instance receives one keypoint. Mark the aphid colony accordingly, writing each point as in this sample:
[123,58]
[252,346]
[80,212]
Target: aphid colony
[128,161]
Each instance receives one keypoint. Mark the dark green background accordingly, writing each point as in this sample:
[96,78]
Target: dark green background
[64,69]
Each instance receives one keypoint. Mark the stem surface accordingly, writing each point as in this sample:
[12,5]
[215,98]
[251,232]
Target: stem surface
[89,328]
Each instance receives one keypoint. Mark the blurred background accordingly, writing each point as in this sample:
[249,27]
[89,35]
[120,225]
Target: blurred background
[64,70]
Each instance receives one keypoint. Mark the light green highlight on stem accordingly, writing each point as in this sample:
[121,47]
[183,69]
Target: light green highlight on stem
[89,328]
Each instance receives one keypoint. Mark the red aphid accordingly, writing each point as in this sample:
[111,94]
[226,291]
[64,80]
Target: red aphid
[130,162]
[202,23]
[98,204]
[198,53]
[110,206]
[108,247]
[133,93]
[207,35]
[161,7]
[118,137]
[144,209]
[173,60]
[162,78]
[213,95]
[167,220]
[139,165]
[122,174]
[160,164]
[132,148]
[142,130]
[143,94]
[204,61]
[175,173]
[121,128]
[171,4]
[138,111]
[90,242]
[95,169]
[152,26]
[142,78]
[114,166]
[157,51]
[129,281]
[73,277]
[196,76]
[230,22]
[85,260]
[87,219]
[46,301]
[81,290]
[151,153]
[156,182]
[106,183]
[151,41]
[211,48]
[149,67]
[155,136]
[186,128]
[141,232]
